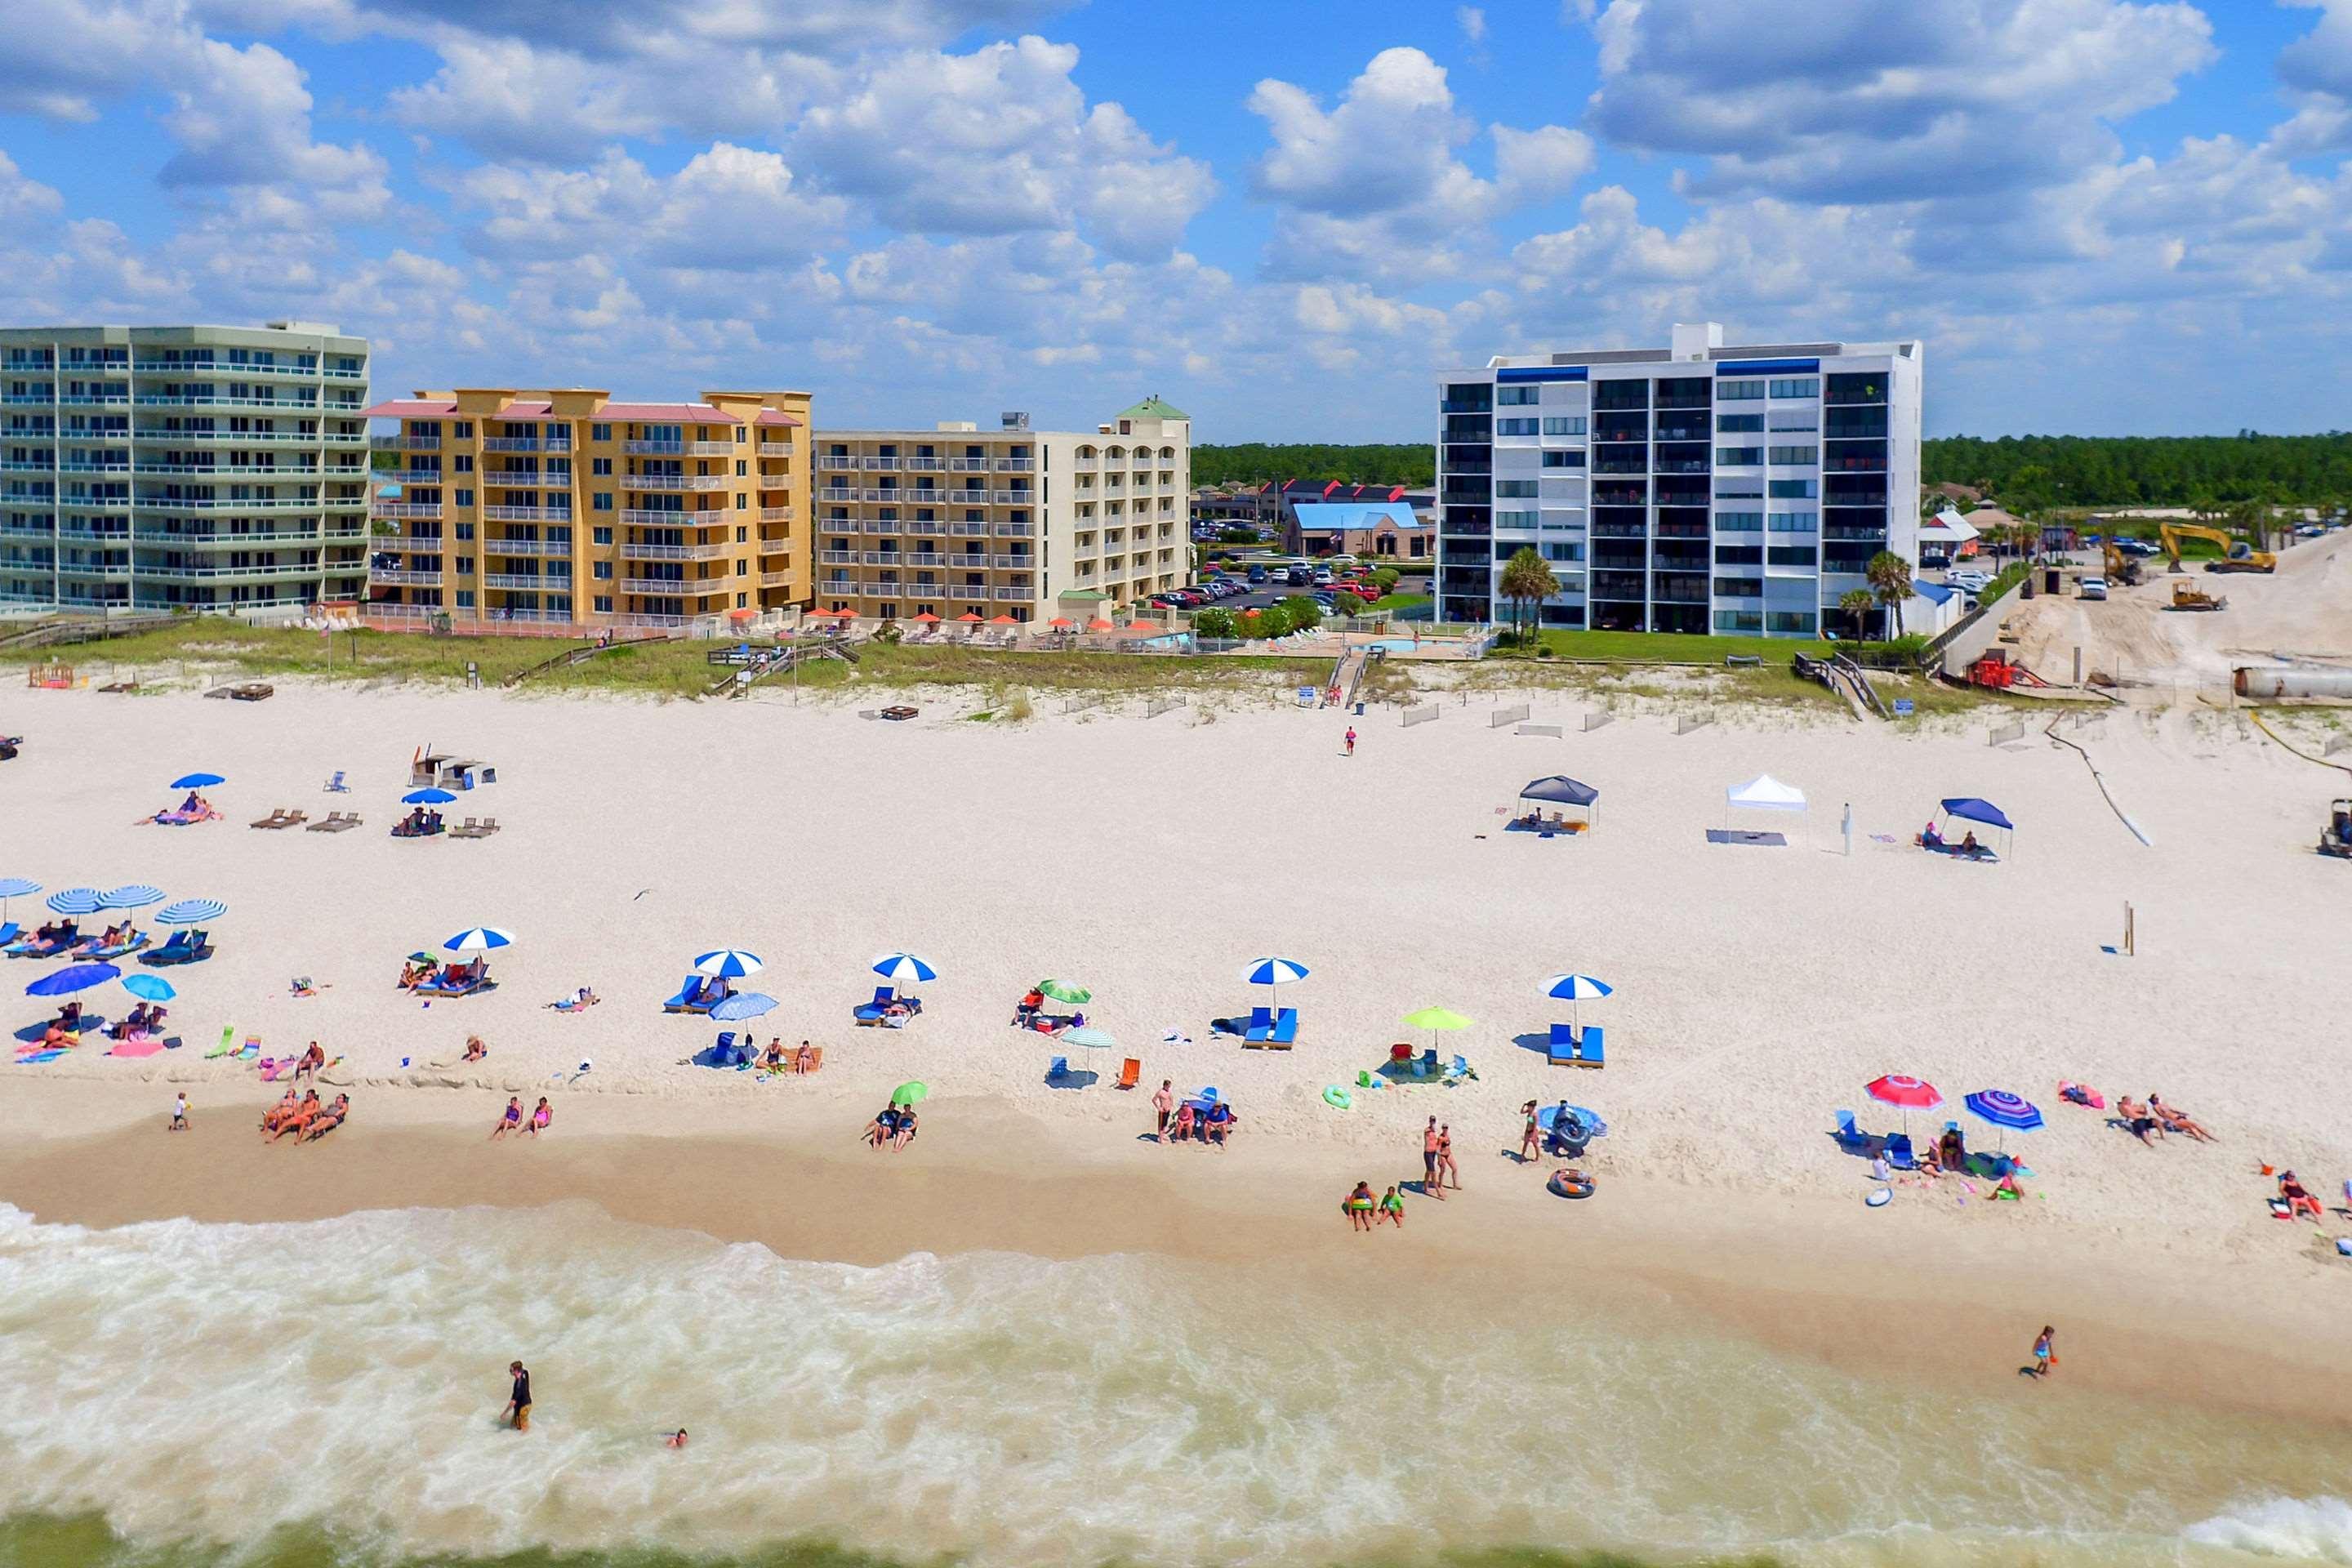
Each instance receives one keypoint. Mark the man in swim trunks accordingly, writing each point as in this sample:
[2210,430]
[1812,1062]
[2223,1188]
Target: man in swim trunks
[1163,1103]
[1429,1182]
[2135,1118]
[518,1404]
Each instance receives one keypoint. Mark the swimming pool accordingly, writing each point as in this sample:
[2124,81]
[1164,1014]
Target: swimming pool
[1170,639]
[1394,645]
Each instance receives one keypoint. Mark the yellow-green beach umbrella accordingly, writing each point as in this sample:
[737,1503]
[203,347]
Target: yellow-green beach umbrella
[907,1093]
[1064,990]
[1435,1019]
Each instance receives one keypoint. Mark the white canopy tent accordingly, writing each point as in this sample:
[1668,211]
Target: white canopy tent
[1765,793]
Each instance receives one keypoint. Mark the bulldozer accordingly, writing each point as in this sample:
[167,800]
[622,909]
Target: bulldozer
[2336,838]
[2188,596]
[2122,570]
[2237,556]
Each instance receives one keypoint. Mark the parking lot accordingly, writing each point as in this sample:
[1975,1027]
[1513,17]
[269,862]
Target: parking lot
[1273,592]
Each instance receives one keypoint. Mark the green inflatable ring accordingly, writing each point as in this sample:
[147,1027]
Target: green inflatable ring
[1334,1096]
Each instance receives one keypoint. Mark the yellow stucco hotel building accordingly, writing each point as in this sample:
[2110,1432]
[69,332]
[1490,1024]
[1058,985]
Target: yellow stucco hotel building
[565,507]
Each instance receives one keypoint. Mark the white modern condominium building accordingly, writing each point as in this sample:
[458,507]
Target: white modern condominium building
[1698,488]
[200,467]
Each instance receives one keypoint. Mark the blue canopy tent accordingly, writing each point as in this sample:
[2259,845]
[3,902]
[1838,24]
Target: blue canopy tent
[1560,790]
[1969,809]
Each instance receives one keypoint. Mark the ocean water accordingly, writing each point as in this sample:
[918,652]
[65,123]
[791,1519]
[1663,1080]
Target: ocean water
[295,1396]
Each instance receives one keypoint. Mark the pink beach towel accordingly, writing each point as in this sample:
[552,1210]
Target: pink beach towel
[144,1045]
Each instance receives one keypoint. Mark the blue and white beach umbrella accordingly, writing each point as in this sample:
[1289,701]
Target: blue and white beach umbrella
[1575,988]
[1274,972]
[479,939]
[197,781]
[191,912]
[729,962]
[130,896]
[17,887]
[743,1004]
[72,978]
[76,901]
[427,797]
[904,968]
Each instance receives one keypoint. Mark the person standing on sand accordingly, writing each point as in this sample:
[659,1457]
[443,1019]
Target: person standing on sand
[2045,1352]
[1351,739]
[1429,1182]
[1445,1158]
[179,1114]
[518,1410]
[1530,1134]
[1163,1104]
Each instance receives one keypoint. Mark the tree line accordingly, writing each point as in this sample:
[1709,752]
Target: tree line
[2033,473]
[1371,463]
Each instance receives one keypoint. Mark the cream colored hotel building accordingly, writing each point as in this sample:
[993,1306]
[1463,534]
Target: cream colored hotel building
[568,507]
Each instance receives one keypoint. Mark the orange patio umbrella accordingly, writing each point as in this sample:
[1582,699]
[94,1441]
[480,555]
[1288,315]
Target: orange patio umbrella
[1002,621]
[1061,623]
[927,617]
[971,615]
[1143,626]
[1099,625]
[741,615]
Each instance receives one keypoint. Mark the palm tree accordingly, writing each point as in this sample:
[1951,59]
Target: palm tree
[2254,517]
[1857,603]
[1890,580]
[1527,580]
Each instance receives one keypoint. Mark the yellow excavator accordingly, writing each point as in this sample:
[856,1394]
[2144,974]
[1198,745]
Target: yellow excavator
[2237,556]
[2122,570]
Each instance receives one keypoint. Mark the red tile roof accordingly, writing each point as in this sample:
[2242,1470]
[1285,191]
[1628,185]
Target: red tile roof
[525,411]
[663,413]
[412,408]
[774,417]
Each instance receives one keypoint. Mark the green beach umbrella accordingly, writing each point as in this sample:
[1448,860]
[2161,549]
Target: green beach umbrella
[1434,1019]
[1092,1038]
[1064,990]
[907,1093]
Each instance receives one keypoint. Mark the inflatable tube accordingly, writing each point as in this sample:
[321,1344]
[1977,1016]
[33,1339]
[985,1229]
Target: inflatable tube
[1879,1198]
[1571,1185]
[1336,1098]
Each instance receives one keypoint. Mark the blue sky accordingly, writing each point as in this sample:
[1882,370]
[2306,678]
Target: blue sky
[2103,216]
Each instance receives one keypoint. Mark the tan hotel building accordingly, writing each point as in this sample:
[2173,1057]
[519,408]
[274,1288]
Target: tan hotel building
[958,521]
[565,506]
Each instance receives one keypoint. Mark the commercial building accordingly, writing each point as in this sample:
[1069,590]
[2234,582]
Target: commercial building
[1375,522]
[960,521]
[1695,487]
[181,467]
[497,505]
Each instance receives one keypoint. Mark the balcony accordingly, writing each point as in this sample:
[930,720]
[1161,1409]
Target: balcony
[408,543]
[525,514]
[775,514]
[227,503]
[523,479]
[654,517]
[262,572]
[1008,563]
[879,465]
[971,529]
[775,448]
[1016,465]
[909,558]
[558,548]
[837,557]
[681,449]
[385,476]
[888,497]
[1013,498]
[216,400]
[673,481]
[166,540]
[835,492]
[400,443]
[674,587]
[510,444]
[404,579]
[1014,530]
[967,465]
[774,579]
[1013,595]
[672,552]
[526,582]
[403,509]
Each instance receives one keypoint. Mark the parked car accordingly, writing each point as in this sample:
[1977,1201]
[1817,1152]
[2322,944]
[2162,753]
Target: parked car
[1967,577]
[1298,578]
[1258,573]
[2093,588]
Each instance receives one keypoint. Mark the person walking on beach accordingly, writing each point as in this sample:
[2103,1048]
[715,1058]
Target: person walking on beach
[518,1410]
[1445,1166]
[1351,739]
[1530,1134]
[1163,1105]
[1429,1182]
[2045,1352]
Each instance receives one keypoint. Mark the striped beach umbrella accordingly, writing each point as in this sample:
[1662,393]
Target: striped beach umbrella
[14,887]
[191,912]
[1091,1038]
[479,939]
[904,968]
[2003,1109]
[1064,990]
[76,901]
[743,1004]
[130,896]
[1273,971]
[1573,989]
[1910,1093]
[729,962]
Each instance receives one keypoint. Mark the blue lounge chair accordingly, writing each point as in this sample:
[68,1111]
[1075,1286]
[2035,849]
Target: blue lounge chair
[10,936]
[138,939]
[687,990]
[1459,1069]
[188,945]
[1589,1051]
[1260,1026]
[336,786]
[1898,1152]
[1559,1049]
[871,1012]
[723,1053]
[1285,1026]
[1850,1135]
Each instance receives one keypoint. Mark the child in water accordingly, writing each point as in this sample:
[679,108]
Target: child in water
[679,1441]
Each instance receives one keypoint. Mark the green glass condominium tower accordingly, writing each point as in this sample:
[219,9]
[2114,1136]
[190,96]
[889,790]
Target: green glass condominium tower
[207,468]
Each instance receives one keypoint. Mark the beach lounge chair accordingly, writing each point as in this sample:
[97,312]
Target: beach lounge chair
[336,785]
[180,949]
[102,954]
[277,819]
[1898,1152]
[9,935]
[336,822]
[1128,1071]
[690,990]
[1570,1049]
[1260,1028]
[457,980]
[872,1011]
[1850,1135]
[489,826]
[470,830]
[1459,1069]
[1057,1071]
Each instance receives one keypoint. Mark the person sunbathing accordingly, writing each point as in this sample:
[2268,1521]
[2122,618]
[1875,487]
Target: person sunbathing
[2177,1120]
[805,1059]
[542,1117]
[327,1120]
[510,1120]
[475,1050]
[2298,1198]
[281,1111]
[134,1021]
[883,1128]
[1930,839]
[2136,1120]
[412,975]
[1930,1163]
[895,1015]
[2006,1187]
[69,1017]
[298,1122]
[906,1133]
[772,1059]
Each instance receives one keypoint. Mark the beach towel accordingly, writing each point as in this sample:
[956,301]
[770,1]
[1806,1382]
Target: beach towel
[2082,1094]
[152,1045]
[38,1057]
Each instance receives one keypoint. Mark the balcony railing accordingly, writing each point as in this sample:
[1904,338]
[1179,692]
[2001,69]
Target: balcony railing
[673,481]
[908,557]
[524,582]
[967,465]
[404,579]
[1014,498]
[774,579]
[559,548]
[675,588]
[164,539]
[672,552]
[525,514]
[654,517]
[403,442]
[775,514]
[403,509]
[775,448]
[1016,465]
[878,465]
[678,449]
[1014,530]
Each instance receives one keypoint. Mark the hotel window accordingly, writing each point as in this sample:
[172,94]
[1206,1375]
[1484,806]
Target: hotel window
[463,463]
[465,498]
[1793,419]
[600,466]
[1515,396]
[464,597]
[1563,424]
[464,530]
[1739,489]
[1806,386]
[462,429]
[602,501]
[1739,456]
[1791,555]
[1789,621]
[1796,522]
[1563,459]
[1515,520]
[1740,521]
[1514,426]
[1514,488]
[1796,453]
[601,536]
[603,603]
[601,433]
[1794,489]
[741,468]
[1739,423]
[1738,391]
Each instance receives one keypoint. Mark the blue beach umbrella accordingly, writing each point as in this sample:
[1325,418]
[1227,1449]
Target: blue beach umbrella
[191,912]
[14,887]
[197,781]
[904,968]
[729,962]
[1575,988]
[427,797]
[2003,1109]
[1274,972]
[149,987]
[130,896]
[76,901]
[73,977]
[743,1004]
[479,939]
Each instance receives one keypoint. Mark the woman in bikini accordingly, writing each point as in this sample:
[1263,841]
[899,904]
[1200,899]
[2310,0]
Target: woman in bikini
[281,1111]
[1530,1134]
[300,1122]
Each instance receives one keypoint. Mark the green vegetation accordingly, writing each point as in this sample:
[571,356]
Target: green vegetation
[1397,602]
[2008,577]
[1375,463]
[2030,473]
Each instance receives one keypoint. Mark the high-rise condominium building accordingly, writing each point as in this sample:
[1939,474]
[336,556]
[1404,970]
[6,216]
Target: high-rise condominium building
[1695,488]
[567,507]
[199,467]
[960,520]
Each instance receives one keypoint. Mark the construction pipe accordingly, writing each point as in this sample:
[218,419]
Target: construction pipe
[2290,682]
